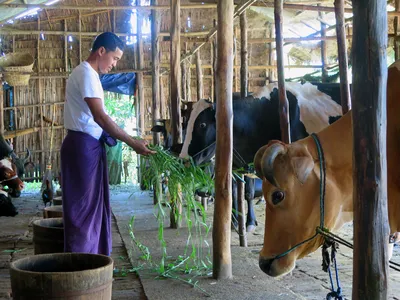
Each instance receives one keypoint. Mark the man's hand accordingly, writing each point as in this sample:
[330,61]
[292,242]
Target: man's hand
[140,147]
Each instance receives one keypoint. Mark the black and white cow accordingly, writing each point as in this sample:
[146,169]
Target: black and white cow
[256,122]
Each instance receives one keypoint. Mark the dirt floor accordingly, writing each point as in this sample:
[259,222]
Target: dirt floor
[307,281]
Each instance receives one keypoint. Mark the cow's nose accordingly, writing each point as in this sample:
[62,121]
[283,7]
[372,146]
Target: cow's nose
[21,186]
[265,264]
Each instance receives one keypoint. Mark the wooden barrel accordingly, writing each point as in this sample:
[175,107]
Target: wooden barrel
[52,212]
[78,276]
[48,236]
[57,201]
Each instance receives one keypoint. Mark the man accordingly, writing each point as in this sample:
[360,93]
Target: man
[86,200]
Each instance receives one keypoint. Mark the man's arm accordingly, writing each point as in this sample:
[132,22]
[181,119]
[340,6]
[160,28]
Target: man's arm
[105,122]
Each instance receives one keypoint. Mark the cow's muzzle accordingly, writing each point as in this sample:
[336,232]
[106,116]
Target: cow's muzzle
[265,265]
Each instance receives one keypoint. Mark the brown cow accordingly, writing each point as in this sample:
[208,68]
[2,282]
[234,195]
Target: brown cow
[291,181]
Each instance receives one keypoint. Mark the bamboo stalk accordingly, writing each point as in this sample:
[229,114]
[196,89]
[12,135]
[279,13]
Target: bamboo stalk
[242,212]
[199,77]
[140,60]
[323,48]
[65,48]
[80,36]
[155,67]
[41,135]
[345,97]
[32,105]
[21,132]
[396,29]
[244,62]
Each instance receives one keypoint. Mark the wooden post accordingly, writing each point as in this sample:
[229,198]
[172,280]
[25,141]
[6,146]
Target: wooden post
[244,61]
[1,108]
[242,213]
[345,97]
[155,68]
[199,77]
[214,63]
[396,31]
[222,261]
[175,88]
[324,77]
[283,102]
[371,230]
[140,66]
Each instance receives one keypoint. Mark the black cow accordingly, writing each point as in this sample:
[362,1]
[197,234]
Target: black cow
[255,123]
[7,208]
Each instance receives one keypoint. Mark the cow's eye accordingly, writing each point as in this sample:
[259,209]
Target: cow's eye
[277,197]
[203,125]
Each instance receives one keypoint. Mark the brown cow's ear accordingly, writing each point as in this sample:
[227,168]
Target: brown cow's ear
[302,166]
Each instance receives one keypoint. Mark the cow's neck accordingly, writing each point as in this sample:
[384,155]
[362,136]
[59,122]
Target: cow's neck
[250,122]
[337,141]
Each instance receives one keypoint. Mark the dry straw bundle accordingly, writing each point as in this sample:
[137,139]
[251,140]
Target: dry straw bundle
[16,68]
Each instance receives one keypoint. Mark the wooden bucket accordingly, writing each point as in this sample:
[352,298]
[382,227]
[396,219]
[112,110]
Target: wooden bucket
[52,212]
[78,276]
[48,236]
[57,201]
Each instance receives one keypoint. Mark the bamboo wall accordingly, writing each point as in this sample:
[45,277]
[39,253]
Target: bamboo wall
[55,56]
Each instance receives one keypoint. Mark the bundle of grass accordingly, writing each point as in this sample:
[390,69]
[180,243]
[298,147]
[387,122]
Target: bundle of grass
[184,179]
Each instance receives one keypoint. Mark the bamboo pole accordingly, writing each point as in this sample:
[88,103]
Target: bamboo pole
[21,132]
[199,77]
[242,213]
[283,102]
[214,63]
[222,261]
[298,7]
[140,65]
[244,58]
[65,48]
[371,230]
[323,47]
[175,91]
[155,69]
[175,75]
[236,60]
[345,97]
[396,31]
[40,98]
[80,36]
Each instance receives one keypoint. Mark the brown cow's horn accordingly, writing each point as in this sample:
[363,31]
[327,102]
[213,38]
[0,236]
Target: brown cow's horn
[257,161]
[267,163]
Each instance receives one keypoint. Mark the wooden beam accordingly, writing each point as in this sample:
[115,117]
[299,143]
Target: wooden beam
[345,97]
[155,69]
[140,65]
[65,48]
[222,260]
[324,76]
[199,74]
[371,230]
[283,102]
[244,58]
